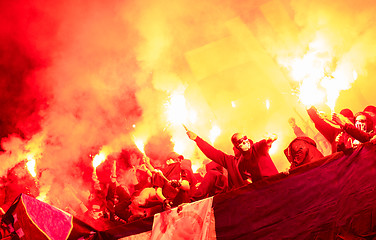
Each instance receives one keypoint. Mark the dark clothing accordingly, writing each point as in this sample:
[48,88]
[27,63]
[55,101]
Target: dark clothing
[358,134]
[251,165]
[175,171]
[214,182]
[330,132]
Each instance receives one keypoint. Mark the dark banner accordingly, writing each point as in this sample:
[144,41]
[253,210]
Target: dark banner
[333,198]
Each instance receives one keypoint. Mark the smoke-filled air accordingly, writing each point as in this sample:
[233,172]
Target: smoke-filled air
[84,78]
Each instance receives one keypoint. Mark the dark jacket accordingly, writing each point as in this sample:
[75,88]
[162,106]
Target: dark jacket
[253,165]
[214,182]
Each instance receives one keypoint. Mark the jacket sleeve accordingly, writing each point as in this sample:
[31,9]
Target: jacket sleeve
[322,125]
[212,153]
[205,186]
[358,134]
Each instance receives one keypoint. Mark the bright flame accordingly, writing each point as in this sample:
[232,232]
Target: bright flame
[233,104]
[267,103]
[140,145]
[179,146]
[318,81]
[31,165]
[275,148]
[195,167]
[98,159]
[214,133]
[177,112]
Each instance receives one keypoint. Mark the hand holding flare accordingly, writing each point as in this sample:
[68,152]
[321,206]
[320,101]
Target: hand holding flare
[190,134]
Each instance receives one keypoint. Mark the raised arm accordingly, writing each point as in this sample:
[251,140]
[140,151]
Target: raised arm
[210,152]
[324,125]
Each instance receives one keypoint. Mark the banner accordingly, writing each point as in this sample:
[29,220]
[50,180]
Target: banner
[191,221]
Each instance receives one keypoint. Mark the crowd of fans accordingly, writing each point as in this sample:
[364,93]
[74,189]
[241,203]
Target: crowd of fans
[155,189]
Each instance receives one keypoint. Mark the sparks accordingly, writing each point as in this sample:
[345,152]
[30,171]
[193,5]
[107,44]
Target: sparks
[318,82]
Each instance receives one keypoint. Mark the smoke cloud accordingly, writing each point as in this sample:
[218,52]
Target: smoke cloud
[78,76]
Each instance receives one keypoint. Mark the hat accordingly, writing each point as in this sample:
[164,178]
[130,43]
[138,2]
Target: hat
[287,151]
[347,113]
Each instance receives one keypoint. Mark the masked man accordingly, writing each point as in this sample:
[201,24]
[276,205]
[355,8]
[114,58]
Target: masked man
[250,163]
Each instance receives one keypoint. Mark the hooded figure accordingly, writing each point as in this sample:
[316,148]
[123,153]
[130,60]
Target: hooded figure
[214,182]
[251,162]
[302,150]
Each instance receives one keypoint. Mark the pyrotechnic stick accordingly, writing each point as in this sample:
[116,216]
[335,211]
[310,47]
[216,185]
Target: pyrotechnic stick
[186,129]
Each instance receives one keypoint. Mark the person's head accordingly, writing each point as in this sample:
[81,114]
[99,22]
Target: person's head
[363,121]
[302,150]
[371,110]
[173,157]
[348,114]
[241,142]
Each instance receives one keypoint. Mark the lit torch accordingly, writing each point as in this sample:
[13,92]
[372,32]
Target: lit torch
[318,81]
[31,165]
[140,145]
[98,160]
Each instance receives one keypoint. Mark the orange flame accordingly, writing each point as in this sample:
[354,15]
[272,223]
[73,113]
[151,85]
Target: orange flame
[99,158]
[140,145]
[318,81]
[177,112]
[31,165]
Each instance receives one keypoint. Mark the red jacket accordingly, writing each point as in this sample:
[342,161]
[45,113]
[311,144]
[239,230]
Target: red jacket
[255,164]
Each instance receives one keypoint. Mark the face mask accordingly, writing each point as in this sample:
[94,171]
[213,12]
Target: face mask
[244,144]
[361,124]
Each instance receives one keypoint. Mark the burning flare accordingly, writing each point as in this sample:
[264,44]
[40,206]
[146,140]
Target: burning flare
[177,112]
[31,165]
[140,145]
[98,159]
[318,81]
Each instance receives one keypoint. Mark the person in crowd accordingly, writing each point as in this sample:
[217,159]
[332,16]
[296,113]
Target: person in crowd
[171,186]
[322,143]
[330,130]
[214,182]
[251,162]
[362,131]
[302,150]
[371,110]
[118,198]
[175,184]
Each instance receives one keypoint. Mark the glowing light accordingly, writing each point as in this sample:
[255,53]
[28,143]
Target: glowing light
[134,125]
[140,145]
[179,146]
[267,103]
[275,148]
[233,104]
[31,165]
[42,197]
[318,81]
[177,112]
[98,159]
[355,75]
[195,167]
[176,109]
[214,133]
